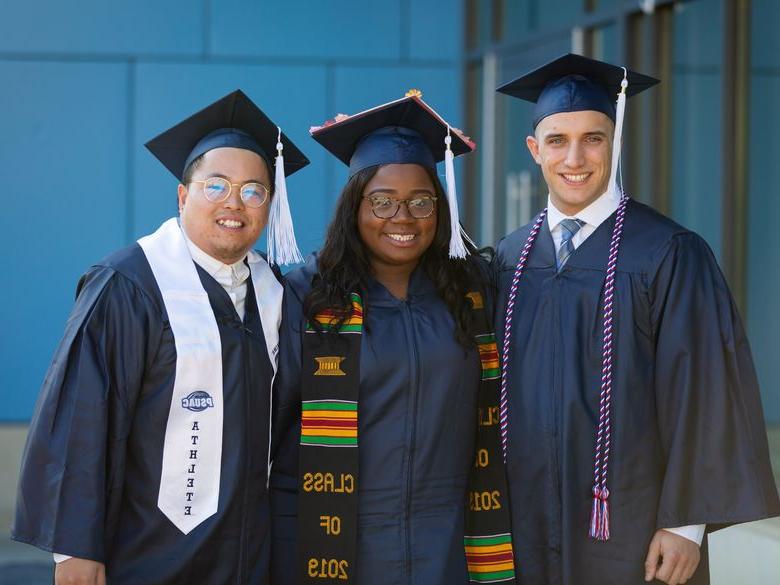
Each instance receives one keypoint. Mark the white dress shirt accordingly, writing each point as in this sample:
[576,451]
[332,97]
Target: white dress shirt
[233,279]
[592,217]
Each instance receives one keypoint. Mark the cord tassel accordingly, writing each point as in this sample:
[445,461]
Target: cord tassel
[282,247]
[457,233]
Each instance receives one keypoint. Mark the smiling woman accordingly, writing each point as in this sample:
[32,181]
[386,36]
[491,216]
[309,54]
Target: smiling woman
[384,349]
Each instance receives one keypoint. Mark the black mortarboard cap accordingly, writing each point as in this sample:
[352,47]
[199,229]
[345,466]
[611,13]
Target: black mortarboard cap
[573,83]
[232,121]
[402,131]
[405,131]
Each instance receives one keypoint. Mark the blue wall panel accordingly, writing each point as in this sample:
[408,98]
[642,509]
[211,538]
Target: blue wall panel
[308,28]
[436,29]
[63,152]
[104,28]
[293,96]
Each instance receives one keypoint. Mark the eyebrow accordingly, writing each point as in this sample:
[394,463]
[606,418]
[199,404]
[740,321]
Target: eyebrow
[562,135]
[221,176]
[395,191]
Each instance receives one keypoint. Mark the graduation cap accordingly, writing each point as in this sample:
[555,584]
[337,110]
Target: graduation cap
[404,131]
[573,83]
[235,121]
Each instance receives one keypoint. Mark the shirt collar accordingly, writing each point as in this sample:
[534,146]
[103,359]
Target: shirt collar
[594,214]
[228,275]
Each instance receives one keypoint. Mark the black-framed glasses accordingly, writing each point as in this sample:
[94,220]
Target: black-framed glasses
[217,189]
[385,207]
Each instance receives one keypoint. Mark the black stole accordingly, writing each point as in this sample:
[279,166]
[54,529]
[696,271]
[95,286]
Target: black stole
[328,461]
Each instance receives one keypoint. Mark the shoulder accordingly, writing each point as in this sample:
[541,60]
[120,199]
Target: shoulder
[508,247]
[647,228]
[660,238]
[129,270]
[297,282]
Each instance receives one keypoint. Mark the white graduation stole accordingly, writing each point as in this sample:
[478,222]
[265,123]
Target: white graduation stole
[192,454]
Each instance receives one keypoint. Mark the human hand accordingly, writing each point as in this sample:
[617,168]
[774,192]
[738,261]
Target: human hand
[76,571]
[671,558]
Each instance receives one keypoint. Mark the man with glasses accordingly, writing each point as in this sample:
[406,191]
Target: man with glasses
[147,457]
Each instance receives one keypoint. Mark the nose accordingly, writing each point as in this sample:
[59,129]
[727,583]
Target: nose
[574,155]
[403,215]
[234,200]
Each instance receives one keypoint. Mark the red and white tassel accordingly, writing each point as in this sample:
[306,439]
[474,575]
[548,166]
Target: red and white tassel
[599,514]
[282,247]
[457,233]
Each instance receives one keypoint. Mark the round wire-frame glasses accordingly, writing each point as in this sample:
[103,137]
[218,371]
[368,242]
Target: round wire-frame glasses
[218,189]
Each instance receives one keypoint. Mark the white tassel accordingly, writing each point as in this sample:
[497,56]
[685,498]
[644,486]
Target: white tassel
[617,142]
[282,247]
[458,234]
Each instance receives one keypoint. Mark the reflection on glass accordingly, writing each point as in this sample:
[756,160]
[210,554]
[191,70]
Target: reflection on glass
[697,118]
[763,268]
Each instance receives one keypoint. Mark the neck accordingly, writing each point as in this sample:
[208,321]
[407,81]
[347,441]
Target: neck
[229,260]
[572,209]
[395,278]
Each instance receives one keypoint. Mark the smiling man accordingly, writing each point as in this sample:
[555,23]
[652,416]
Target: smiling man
[630,406]
[147,457]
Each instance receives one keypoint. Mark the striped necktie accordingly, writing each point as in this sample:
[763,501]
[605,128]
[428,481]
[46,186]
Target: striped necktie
[569,228]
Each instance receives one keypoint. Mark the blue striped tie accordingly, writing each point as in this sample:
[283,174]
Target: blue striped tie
[570,227]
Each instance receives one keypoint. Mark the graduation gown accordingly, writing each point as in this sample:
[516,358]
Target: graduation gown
[688,439]
[418,409]
[92,464]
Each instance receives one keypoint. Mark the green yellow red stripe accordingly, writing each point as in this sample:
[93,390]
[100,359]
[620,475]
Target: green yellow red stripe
[488,355]
[490,558]
[331,423]
[329,318]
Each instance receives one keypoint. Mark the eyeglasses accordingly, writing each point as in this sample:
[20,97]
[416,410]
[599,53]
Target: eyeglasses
[217,189]
[387,207]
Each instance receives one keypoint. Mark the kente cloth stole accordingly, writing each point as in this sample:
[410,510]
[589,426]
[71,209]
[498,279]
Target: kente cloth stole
[488,538]
[328,455]
[328,461]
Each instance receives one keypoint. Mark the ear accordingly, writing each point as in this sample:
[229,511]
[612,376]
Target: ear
[182,196]
[533,148]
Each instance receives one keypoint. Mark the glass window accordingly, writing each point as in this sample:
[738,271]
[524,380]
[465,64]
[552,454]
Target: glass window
[763,257]
[523,17]
[697,112]
[604,44]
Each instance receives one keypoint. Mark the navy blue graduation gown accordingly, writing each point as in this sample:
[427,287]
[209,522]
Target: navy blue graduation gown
[688,438]
[417,422]
[91,467]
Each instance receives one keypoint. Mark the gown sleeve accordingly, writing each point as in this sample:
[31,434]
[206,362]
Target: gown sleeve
[710,419]
[73,463]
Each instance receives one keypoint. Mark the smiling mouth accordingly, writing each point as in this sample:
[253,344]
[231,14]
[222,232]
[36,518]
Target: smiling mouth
[401,237]
[575,179]
[232,224]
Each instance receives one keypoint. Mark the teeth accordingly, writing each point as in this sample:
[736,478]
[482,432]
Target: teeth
[401,237]
[231,223]
[576,178]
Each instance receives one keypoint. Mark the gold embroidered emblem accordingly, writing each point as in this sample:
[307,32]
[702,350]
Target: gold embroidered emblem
[329,366]
[476,300]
